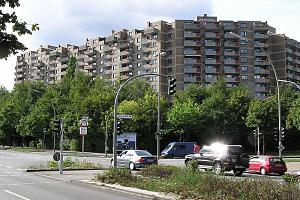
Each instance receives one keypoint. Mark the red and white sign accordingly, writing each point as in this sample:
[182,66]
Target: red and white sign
[83,127]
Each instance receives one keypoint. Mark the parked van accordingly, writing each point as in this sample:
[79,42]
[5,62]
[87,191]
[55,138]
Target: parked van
[178,149]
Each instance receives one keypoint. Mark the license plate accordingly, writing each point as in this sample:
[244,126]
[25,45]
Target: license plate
[150,160]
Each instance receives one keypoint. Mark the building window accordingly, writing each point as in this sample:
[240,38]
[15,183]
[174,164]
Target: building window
[101,62]
[244,68]
[114,67]
[245,77]
[101,70]
[154,44]
[155,36]
[130,34]
[154,61]
[244,51]
[243,33]
[243,42]
[154,53]
[114,75]
[138,48]
[138,40]
[244,60]
[243,25]
[138,64]
[138,56]
[101,47]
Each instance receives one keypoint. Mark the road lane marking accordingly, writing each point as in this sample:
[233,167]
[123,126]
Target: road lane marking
[9,167]
[17,195]
[20,169]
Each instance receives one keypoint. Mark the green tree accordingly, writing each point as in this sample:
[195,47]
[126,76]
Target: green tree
[9,43]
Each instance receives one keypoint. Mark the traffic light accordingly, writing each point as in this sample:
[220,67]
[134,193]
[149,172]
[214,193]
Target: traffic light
[255,132]
[282,133]
[56,125]
[119,126]
[172,86]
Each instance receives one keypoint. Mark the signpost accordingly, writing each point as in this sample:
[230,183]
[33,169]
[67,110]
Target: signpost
[122,116]
[56,156]
[83,129]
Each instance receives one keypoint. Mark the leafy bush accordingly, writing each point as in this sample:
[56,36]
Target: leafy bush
[193,165]
[121,176]
[290,178]
[158,171]
[73,145]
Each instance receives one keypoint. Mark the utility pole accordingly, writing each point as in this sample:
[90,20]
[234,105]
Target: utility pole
[106,135]
[258,145]
[61,147]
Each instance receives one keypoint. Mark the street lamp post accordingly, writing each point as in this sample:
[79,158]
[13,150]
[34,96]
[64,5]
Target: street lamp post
[158,134]
[291,82]
[280,146]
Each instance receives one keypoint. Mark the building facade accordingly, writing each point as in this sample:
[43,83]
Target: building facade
[199,50]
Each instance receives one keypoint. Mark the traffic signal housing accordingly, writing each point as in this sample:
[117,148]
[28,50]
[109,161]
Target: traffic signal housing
[119,127]
[172,86]
[56,125]
[282,133]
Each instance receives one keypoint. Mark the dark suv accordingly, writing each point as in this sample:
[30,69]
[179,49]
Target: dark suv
[219,158]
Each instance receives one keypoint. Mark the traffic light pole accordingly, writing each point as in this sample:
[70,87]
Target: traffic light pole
[115,112]
[61,147]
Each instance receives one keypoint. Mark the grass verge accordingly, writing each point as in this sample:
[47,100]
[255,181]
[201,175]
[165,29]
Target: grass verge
[193,184]
[68,163]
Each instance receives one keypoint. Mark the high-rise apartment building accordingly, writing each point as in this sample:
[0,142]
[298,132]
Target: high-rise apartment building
[197,50]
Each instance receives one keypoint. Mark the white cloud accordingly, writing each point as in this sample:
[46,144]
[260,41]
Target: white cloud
[282,15]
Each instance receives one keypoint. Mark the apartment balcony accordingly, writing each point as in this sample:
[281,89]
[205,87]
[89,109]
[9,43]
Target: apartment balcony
[64,66]
[212,62]
[231,62]
[262,71]
[126,69]
[261,36]
[20,75]
[147,57]
[212,70]
[231,44]
[82,47]
[192,61]
[79,64]
[89,59]
[261,44]
[21,63]
[232,70]
[192,52]
[210,79]
[126,60]
[290,67]
[126,52]
[212,53]
[212,43]
[261,27]
[229,36]
[211,26]
[260,54]
[146,41]
[212,35]
[107,49]
[192,43]
[89,52]
[191,34]
[107,72]
[124,77]
[232,80]
[192,70]
[89,67]
[192,79]
[51,75]
[229,27]
[191,26]
[81,56]
[110,39]
[63,59]
[21,70]
[108,63]
[151,30]
[231,53]
[261,63]
[54,53]
[261,89]
[261,80]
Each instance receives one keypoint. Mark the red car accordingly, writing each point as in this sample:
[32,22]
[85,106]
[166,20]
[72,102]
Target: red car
[267,164]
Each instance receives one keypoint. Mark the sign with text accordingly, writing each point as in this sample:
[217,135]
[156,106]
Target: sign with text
[121,116]
[83,126]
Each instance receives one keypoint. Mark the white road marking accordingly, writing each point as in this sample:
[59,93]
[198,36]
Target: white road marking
[17,195]
[9,167]
[20,169]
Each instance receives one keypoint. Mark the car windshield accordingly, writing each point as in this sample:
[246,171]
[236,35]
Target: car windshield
[232,150]
[168,147]
[143,153]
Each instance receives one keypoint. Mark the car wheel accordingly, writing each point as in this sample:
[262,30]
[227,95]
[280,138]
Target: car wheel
[131,166]
[171,156]
[262,171]
[217,168]
[238,172]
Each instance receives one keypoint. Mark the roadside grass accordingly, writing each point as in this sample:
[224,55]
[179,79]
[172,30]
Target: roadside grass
[27,149]
[68,163]
[188,183]
[290,159]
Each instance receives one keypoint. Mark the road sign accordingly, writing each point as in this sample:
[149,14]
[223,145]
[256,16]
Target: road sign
[56,156]
[121,116]
[281,147]
[83,122]
[83,130]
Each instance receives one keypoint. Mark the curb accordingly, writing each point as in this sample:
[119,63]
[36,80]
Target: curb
[51,170]
[131,190]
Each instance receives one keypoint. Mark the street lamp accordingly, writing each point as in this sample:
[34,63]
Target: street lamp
[291,82]
[280,146]
[158,106]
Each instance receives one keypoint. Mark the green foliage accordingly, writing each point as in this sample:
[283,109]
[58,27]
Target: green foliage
[9,43]
[192,165]
[158,171]
[191,184]
[290,178]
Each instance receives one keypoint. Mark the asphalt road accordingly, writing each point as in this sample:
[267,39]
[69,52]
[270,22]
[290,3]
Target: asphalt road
[16,184]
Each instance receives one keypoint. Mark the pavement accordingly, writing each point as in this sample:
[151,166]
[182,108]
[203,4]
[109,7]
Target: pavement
[86,177]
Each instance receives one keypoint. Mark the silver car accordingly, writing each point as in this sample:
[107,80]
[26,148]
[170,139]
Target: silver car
[134,159]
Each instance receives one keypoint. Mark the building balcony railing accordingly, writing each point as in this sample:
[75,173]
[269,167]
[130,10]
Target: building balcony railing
[192,43]
[212,43]
[232,70]
[232,80]
[262,71]
[192,52]
[212,61]
[210,79]
[192,61]
[229,27]
[192,70]
[261,80]
[261,89]
[261,36]
[211,27]
[231,62]
[231,44]
[212,70]
[231,53]
[125,69]
[260,54]
[89,67]
[192,34]
[212,53]
[212,35]
[261,63]
[191,26]
[192,79]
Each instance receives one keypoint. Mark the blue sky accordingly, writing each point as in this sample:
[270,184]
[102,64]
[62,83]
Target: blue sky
[72,21]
